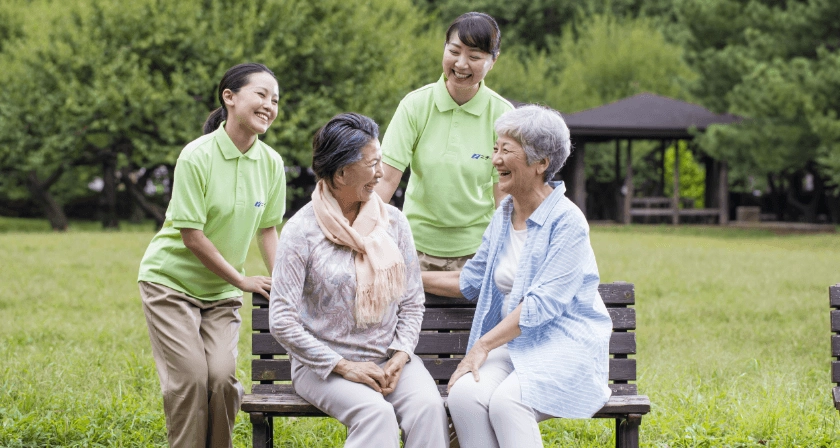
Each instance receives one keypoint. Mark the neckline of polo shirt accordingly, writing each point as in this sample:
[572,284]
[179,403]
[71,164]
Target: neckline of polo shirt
[229,150]
[540,215]
[475,106]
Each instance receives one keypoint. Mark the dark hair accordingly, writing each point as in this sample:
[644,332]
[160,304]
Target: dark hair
[339,143]
[235,78]
[477,30]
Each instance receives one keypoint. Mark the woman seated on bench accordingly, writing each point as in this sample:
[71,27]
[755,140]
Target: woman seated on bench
[539,342]
[347,299]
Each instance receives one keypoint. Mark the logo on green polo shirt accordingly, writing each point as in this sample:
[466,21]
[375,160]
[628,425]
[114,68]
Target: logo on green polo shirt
[481,157]
[259,204]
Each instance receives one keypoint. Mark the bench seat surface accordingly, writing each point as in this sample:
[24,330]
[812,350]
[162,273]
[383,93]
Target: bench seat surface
[281,399]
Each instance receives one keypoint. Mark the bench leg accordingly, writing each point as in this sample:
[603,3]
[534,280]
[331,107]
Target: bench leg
[627,431]
[263,430]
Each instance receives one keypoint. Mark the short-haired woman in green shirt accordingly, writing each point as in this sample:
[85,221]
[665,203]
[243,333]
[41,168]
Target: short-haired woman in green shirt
[228,186]
[444,132]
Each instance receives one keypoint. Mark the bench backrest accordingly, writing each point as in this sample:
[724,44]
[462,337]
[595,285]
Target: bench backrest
[834,301]
[445,333]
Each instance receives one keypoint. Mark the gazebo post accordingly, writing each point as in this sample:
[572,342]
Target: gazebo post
[619,200]
[628,184]
[675,200]
[662,146]
[723,191]
[578,171]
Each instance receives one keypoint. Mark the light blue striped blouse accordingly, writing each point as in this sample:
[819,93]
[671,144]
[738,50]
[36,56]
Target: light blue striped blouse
[562,355]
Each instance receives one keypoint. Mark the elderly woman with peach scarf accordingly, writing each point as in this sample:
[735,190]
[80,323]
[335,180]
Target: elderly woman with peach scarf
[347,299]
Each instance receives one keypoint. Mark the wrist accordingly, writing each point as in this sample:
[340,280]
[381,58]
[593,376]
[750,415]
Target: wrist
[400,356]
[341,367]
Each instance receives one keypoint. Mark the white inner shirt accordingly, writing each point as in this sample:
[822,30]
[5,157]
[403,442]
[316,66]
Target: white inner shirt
[508,262]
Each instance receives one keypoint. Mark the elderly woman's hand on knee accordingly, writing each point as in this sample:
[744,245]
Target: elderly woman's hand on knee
[362,372]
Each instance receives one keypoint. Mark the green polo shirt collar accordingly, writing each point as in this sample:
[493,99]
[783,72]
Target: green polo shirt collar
[475,106]
[229,150]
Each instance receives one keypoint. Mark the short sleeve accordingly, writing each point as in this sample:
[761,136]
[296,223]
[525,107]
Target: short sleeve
[273,215]
[400,138]
[188,206]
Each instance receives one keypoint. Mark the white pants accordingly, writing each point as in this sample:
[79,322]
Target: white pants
[372,420]
[490,413]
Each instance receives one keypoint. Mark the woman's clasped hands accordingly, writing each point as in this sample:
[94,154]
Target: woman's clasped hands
[383,380]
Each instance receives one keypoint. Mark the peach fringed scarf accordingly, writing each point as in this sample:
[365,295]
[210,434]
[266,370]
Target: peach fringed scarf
[380,268]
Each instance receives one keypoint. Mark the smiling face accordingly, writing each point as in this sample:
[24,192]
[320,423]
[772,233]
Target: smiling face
[254,106]
[516,177]
[355,182]
[464,66]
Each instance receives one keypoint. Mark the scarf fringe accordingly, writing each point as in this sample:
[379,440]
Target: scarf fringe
[388,283]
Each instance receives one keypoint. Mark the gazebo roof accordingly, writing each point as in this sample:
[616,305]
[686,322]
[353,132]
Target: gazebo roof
[644,116]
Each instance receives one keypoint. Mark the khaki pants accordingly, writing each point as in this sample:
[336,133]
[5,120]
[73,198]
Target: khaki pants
[194,346]
[372,420]
[433,263]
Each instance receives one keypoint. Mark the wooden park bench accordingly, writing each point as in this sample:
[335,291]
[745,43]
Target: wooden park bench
[442,342]
[834,302]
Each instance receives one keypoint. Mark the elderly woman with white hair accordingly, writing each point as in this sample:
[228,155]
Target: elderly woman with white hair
[539,342]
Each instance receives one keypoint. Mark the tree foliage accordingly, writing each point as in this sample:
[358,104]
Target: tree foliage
[775,63]
[125,85]
[605,59]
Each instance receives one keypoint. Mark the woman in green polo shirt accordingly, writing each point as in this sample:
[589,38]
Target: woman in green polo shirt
[444,132]
[228,187]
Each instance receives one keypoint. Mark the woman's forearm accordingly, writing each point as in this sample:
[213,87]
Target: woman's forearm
[442,283]
[201,246]
[388,183]
[267,241]
[506,331]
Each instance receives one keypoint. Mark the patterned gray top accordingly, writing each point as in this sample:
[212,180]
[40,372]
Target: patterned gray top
[313,297]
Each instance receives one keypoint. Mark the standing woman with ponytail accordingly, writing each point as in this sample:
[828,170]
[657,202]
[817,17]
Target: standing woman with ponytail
[228,187]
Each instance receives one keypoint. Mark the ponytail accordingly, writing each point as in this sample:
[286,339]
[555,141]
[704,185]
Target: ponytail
[215,119]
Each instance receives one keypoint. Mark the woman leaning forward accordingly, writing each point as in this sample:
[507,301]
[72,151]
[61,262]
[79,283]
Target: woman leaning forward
[347,299]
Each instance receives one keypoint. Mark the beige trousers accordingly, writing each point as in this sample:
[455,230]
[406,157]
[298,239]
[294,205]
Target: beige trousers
[433,263]
[194,346]
[372,420]
[490,413]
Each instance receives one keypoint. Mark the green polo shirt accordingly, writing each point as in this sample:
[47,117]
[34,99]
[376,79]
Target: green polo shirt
[226,194]
[449,200]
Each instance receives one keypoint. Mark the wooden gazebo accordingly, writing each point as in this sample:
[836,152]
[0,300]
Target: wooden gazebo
[647,117]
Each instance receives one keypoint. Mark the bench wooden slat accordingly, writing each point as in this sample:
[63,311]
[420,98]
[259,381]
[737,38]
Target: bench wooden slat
[834,295]
[282,400]
[835,371]
[835,345]
[461,318]
[429,344]
[440,369]
[835,321]
[616,293]
[438,344]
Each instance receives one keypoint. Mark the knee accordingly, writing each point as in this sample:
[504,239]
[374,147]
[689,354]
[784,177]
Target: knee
[464,397]
[379,413]
[428,405]
[502,406]
[221,378]
[185,382]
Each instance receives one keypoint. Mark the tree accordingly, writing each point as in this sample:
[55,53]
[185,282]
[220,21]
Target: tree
[776,64]
[130,83]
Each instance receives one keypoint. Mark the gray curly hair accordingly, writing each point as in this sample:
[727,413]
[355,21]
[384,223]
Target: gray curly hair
[542,133]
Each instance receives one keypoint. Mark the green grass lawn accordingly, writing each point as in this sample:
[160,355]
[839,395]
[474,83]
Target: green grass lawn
[733,339]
